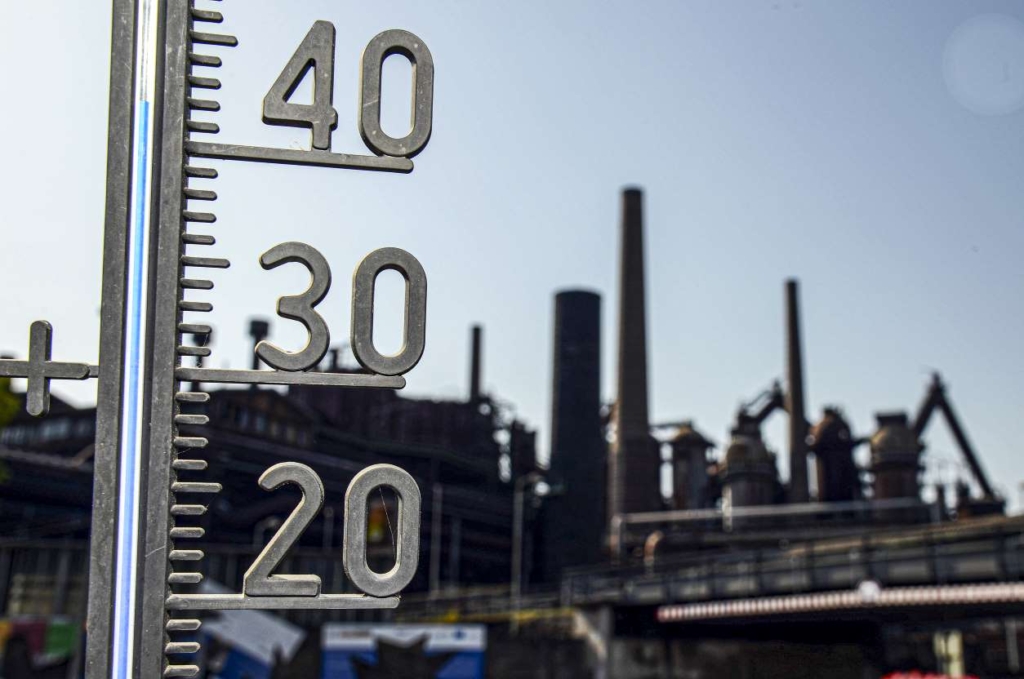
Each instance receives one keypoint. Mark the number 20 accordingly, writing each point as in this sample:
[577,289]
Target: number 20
[258,580]
[316,51]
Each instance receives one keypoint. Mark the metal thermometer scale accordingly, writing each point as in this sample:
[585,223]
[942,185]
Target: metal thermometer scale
[149,490]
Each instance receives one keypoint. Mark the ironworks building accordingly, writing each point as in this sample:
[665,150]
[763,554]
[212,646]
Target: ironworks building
[463,454]
[847,556]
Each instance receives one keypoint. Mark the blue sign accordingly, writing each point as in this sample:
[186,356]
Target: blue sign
[374,651]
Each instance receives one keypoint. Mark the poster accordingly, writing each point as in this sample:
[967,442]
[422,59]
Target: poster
[246,644]
[375,651]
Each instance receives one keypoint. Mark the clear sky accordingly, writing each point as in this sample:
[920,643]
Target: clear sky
[873,150]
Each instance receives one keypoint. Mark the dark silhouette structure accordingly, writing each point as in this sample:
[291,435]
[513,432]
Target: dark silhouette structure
[832,442]
[733,541]
[748,474]
[690,480]
[633,461]
[573,524]
[895,458]
[476,364]
[454,449]
[395,661]
[798,488]
[936,398]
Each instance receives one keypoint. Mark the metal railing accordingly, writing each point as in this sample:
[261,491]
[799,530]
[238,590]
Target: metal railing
[805,568]
[729,518]
[46,578]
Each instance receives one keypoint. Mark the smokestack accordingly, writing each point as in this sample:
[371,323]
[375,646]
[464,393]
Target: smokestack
[634,465]
[798,488]
[258,331]
[201,340]
[577,464]
[475,360]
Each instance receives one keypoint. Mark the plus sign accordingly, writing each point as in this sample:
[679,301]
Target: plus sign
[40,370]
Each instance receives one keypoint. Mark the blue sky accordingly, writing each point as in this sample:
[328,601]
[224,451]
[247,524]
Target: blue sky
[873,150]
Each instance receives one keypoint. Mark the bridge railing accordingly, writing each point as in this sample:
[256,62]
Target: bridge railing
[805,568]
[634,529]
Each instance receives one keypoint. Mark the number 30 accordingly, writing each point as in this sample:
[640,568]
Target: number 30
[301,308]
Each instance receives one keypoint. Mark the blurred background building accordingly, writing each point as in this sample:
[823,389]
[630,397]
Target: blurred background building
[635,551]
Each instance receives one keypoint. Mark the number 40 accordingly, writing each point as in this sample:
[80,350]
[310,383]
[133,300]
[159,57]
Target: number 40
[317,52]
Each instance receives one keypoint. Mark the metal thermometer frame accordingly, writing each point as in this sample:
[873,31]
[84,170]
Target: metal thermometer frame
[136,563]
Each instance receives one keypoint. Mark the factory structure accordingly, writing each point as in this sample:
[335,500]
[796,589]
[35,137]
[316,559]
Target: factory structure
[461,453]
[738,573]
[739,493]
[588,531]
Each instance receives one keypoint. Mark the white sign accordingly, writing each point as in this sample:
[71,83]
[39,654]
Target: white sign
[258,635]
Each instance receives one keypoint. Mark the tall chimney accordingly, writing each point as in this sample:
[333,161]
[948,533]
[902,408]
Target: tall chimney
[798,488]
[258,331]
[634,465]
[201,340]
[475,360]
[578,458]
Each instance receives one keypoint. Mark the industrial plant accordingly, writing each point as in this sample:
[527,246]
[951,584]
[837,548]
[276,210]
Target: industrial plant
[583,567]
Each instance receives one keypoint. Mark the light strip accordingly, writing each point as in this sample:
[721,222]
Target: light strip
[940,595]
[135,340]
